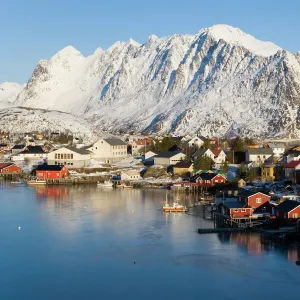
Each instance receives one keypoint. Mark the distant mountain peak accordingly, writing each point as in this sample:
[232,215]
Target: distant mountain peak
[237,37]
[68,51]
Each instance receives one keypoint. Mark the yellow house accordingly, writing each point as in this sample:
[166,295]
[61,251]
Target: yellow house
[182,168]
[267,172]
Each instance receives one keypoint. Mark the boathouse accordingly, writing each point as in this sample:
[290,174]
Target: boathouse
[287,210]
[10,168]
[50,172]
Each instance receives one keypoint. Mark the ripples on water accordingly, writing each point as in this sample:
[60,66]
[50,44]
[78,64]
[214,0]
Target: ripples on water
[84,242]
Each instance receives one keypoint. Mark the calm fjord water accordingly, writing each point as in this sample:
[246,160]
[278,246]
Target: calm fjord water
[90,243]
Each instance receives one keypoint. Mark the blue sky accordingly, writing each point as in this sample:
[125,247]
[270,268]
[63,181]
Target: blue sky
[31,30]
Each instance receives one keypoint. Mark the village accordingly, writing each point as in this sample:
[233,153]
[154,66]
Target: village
[240,183]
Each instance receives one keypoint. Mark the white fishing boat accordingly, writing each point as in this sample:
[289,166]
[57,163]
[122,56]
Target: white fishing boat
[176,207]
[37,181]
[106,184]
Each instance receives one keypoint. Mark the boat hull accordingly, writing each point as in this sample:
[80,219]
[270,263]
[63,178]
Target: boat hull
[36,182]
[170,209]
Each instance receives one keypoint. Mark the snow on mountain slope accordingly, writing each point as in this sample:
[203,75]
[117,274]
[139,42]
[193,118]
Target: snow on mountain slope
[22,120]
[8,93]
[237,37]
[220,81]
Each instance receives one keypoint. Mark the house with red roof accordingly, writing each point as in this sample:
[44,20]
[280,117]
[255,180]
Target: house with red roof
[10,168]
[220,156]
[292,171]
[140,145]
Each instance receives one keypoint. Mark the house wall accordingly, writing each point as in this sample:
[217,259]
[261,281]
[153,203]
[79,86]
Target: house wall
[267,173]
[166,161]
[257,200]
[177,158]
[278,151]
[103,151]
[13,169]
[241,212]
[221,158]
[257,158]
[125,176]
[218,179]
[52,174]
[72,159]
[181,171]
[295,213]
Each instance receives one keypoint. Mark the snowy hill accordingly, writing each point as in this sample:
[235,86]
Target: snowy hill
[220,81]
[8,93]
[22,120]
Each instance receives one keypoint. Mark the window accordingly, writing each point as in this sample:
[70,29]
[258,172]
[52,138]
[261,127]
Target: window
[96,148]
[71,155]
[55,155]
[236,210]
[216,181]
[258,200]
[243,210]
[58,156]
[56,162]
[295,216]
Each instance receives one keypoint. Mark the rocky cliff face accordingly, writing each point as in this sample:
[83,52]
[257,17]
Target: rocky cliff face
[220,81]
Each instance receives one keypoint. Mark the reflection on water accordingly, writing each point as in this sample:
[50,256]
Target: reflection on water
[84,242]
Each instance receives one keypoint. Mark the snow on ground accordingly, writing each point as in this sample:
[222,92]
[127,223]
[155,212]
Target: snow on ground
[128,162]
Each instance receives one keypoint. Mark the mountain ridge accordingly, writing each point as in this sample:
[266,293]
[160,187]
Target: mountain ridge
[210,83]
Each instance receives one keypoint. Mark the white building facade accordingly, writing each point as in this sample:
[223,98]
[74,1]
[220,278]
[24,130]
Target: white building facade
[70,157]
[110,150]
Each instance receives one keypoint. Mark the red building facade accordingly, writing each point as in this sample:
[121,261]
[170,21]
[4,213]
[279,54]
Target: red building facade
[51,172]
[10,169]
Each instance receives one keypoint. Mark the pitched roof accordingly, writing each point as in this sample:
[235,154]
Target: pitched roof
[78,150]
[18,146]
[115,142]
[237,204]
[208,176]
[216,152]
[167,154]
[292,164]
[260,151]
[33,149]
[201,151]
[276,145]
[287,206]
[49,168]
[183,164]
[5,165]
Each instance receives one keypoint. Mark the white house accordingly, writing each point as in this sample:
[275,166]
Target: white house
[30,152]
[258,155]
[278,149]
[202,152]
[70,157]
[219,156]
[110,150]
[194,142]
[139,146]
[130,175]
[168,158]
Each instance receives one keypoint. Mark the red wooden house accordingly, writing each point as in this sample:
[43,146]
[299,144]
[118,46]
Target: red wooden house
[51,172]
[288,210]
[10,168]
[253,199]
[210,179]
[235,209]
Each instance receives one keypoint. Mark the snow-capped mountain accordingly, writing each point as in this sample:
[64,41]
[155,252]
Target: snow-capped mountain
[220,81]
[8,93]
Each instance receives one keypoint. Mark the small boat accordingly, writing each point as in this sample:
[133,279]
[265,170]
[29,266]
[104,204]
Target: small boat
[106,184]
[16,182]
[37,182]
[176,207]
[124,186]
